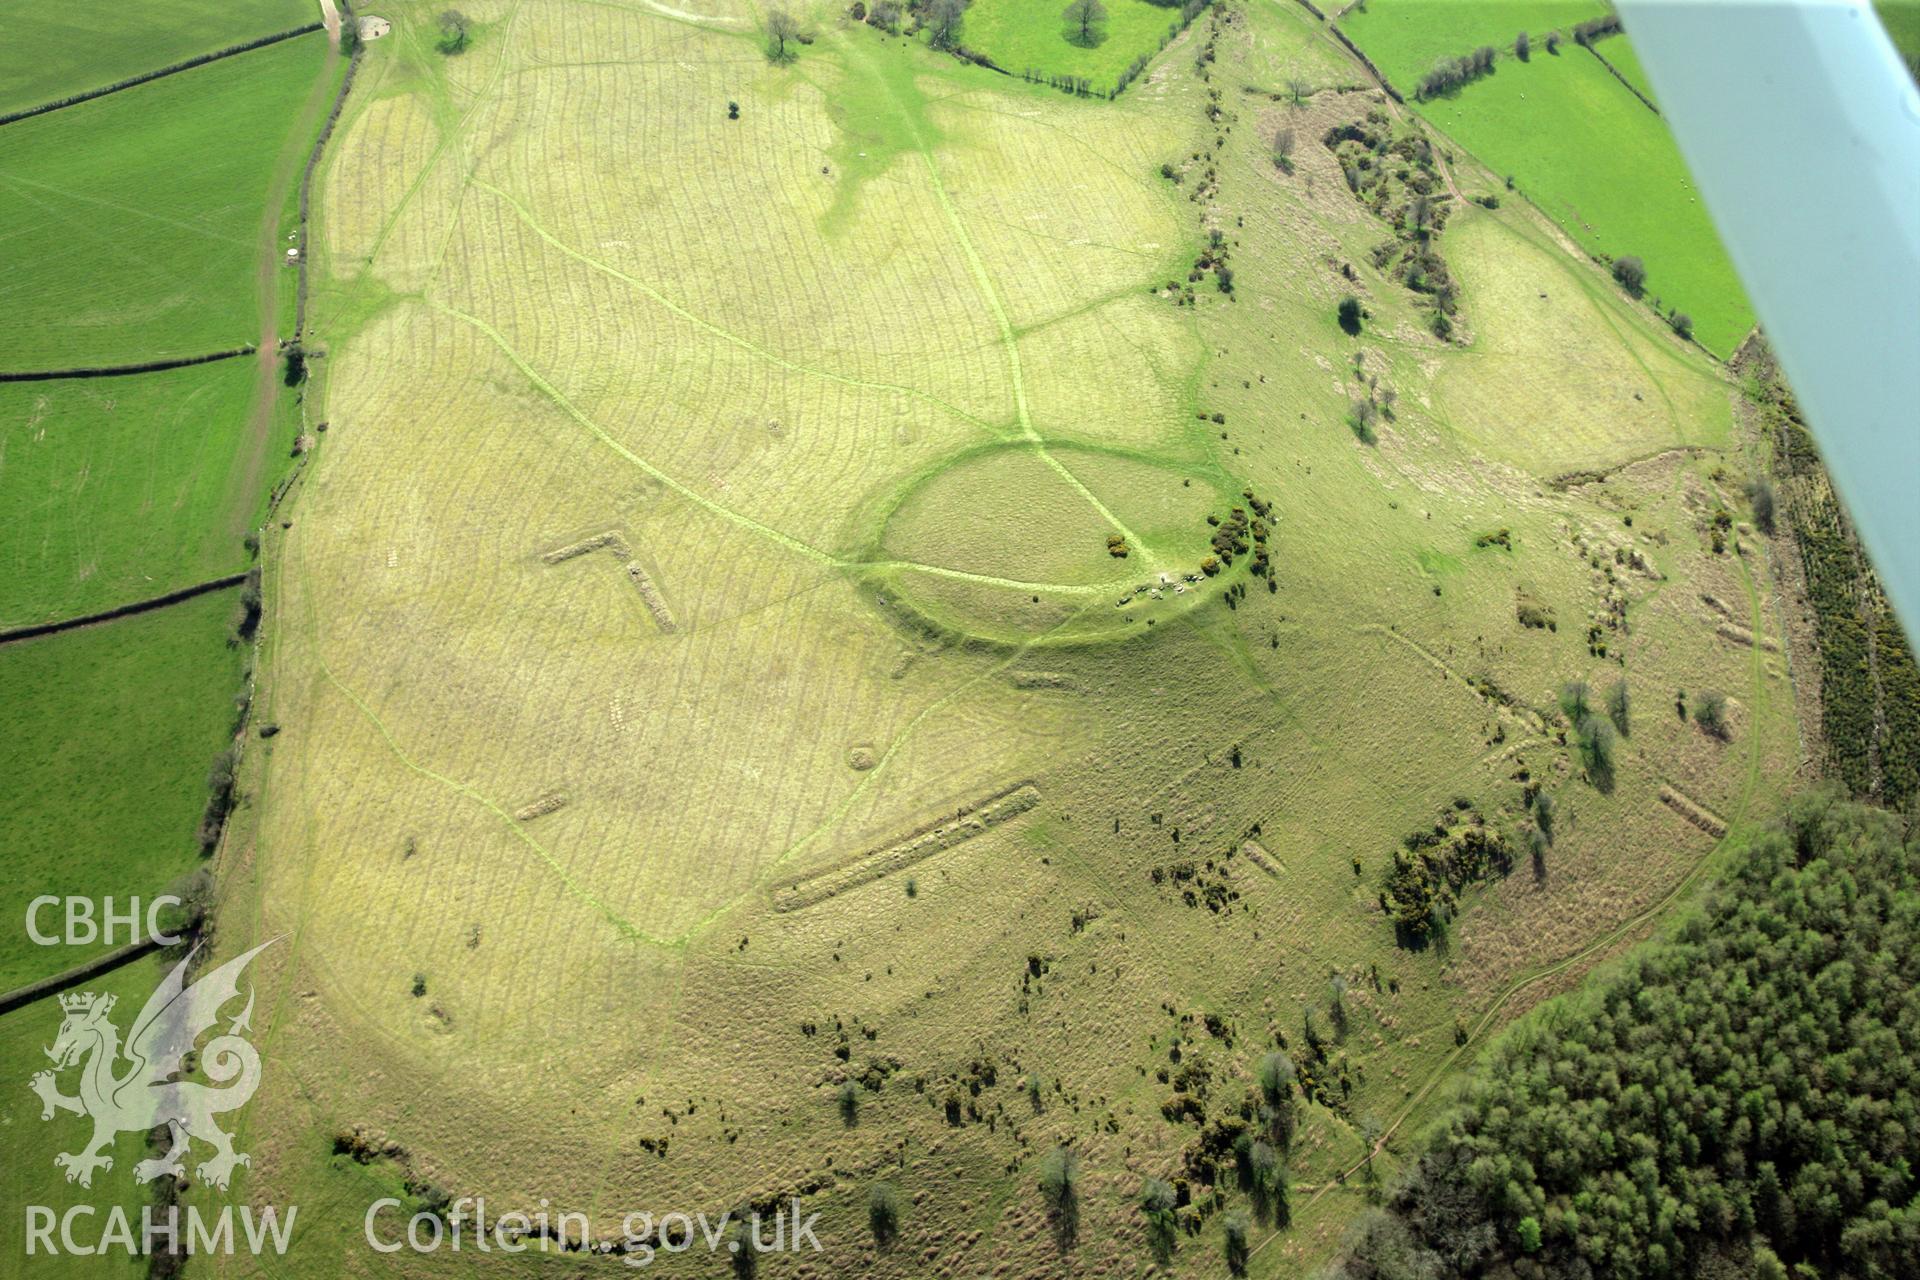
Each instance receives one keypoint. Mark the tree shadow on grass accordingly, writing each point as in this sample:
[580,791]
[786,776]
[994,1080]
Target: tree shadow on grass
[1093,39]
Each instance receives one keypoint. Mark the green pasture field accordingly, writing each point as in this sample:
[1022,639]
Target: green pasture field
[1605,168]
[28,1175]
[132,222]
[114,490]
[1406,37]
[50,51]
[106,735]
[1618,50]
[1032,35]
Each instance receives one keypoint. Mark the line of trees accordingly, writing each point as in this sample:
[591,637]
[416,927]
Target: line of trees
[1449,74]
[883,14]
[1869,705]
[1585,33]
[1078,86]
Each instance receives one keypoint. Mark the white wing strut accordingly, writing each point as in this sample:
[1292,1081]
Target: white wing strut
[1802,127]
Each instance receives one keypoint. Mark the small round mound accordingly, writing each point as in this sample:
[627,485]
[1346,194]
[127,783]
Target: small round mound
[1016,544]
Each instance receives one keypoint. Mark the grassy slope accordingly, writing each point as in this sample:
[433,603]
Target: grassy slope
[105,743]
[112,489]
[1023,35]
[1605,168]
[50,51]
[1616,390]
[132,221]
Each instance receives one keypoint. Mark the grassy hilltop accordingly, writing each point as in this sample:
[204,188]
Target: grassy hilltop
[1042,673]
[737,728]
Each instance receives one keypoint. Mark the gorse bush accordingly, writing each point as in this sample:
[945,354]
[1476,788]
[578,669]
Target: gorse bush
[1710,713]
[1349,314]
[1430,870]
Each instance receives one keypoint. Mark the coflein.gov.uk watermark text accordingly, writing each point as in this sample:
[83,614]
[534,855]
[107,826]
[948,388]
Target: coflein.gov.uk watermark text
[464,1226]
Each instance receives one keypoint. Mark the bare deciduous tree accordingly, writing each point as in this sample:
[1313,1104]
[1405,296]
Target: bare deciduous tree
[1283,144]
[781,28]
[943,22]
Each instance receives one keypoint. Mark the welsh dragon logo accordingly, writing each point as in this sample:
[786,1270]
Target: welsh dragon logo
[137,1086]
